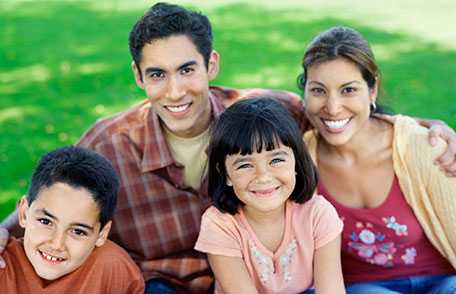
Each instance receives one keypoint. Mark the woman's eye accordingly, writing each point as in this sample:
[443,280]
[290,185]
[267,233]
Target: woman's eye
[317,91]
[349,90]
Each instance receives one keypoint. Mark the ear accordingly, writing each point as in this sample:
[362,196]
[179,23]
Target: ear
[374,91]
[213,65]
[228,181]
[103,234]
[137,74]
[22,209]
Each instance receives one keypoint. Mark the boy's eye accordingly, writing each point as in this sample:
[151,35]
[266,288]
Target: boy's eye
[79,232]
[44,221]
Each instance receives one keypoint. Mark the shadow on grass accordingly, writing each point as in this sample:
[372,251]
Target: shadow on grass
[64,65]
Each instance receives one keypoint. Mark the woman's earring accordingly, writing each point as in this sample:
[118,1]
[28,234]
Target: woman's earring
[373,107]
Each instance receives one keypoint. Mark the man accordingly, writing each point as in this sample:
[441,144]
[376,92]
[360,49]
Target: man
[157,146]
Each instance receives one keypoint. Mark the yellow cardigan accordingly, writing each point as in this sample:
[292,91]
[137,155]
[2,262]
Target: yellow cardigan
[430,193]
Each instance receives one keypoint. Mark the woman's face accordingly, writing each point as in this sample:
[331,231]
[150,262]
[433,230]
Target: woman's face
[337,100]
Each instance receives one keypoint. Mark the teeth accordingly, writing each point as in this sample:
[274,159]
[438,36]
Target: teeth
[51,258]
[179,108]
[336,124]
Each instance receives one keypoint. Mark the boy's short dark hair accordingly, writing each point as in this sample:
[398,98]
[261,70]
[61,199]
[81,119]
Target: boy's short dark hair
[164,20]
[79,168]
[260,123]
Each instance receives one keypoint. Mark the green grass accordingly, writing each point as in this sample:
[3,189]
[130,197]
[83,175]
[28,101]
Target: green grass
[63,64]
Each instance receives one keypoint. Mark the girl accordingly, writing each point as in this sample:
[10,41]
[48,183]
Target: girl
[266,232]
[398,208]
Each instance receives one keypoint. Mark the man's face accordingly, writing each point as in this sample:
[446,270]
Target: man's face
[61,229]
[176,81]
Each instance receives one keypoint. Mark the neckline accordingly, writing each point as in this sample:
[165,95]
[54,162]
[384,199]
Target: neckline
[328,195]
[286,235]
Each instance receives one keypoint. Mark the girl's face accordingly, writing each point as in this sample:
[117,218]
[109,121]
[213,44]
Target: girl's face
[262,181]
[337,100]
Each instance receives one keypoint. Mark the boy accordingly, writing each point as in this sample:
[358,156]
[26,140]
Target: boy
[67,217]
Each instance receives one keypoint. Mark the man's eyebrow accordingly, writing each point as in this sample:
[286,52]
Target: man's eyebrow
[187,64]
[153,70]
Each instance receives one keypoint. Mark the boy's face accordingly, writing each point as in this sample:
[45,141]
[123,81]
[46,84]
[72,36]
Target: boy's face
[61,229]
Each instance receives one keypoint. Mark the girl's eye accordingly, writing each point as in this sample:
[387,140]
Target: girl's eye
[277,160]
[44,221]
[243,166]
[79,232]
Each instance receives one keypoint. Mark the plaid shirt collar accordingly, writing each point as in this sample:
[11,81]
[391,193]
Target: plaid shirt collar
[155,141]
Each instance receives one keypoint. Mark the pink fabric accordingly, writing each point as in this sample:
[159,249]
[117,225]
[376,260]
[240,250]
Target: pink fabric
[308,227]
[385,242]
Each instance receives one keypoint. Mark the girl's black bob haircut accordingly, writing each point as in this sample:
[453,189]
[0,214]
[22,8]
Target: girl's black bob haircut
[250,125]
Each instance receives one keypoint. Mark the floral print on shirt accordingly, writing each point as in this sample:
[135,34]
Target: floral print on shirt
[373,246]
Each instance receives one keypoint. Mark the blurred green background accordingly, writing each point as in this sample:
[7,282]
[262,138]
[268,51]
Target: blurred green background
[63,64]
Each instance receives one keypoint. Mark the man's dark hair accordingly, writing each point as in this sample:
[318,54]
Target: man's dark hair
[253,125]
[164,20]
[79,168]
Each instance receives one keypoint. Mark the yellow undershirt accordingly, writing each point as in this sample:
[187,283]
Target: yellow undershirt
[191,153]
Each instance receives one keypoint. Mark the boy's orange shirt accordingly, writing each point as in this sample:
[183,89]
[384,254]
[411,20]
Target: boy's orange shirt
[108,269]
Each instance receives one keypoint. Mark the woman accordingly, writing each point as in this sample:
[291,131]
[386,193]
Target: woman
[398,208]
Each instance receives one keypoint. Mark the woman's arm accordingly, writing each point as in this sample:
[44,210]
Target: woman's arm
[231,274]
[437,128]
[327,269]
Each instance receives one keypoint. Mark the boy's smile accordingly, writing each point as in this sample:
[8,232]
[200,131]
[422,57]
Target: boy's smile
[61,229]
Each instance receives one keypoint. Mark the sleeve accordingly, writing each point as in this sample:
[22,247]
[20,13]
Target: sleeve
[430,192]
[219,234]
[325,221]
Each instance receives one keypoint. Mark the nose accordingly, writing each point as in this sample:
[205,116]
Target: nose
[333,104]
[262,174]
[175,89]
[58,240]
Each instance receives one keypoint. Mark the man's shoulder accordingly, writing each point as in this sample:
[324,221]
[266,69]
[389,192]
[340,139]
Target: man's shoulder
[117,124]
